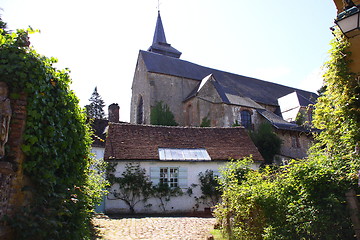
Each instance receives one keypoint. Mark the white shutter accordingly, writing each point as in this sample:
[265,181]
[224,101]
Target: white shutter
[183,177]
[155,175]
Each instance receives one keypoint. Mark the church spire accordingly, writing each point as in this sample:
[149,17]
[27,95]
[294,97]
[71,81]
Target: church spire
[159,35]
[159,44]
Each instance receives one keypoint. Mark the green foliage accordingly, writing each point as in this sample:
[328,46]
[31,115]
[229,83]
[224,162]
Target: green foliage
[210,188]
[236,124]
[163,192]
[95,110]
[205,122]
[337,111]
[132,187]
[161,115]
[300,118]
[267,142]
[56,143]
[306,199]
[303,200]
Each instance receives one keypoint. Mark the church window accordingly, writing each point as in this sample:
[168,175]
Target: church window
[246,119]
[140,111]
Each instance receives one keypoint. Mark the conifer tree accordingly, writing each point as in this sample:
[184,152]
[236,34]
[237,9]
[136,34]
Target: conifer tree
[95,109]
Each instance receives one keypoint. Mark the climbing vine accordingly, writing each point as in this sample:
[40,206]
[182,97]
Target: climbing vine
[56,143]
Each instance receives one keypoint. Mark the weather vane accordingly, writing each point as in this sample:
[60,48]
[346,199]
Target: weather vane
[158,6]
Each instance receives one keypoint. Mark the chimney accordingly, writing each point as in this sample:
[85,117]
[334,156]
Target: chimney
[114,113]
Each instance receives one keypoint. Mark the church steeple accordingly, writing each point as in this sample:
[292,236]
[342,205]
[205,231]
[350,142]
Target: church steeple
[159,44]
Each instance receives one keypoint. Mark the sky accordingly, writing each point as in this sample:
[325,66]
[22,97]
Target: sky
[281,41]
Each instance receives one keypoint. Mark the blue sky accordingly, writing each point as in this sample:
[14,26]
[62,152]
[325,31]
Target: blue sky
[280,41]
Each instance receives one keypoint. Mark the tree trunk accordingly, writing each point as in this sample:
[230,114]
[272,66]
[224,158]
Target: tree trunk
[354,211]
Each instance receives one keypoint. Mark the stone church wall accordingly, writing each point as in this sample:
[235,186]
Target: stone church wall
[140,89]
[155,87]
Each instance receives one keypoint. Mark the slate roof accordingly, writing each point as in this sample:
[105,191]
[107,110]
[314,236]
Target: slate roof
[141,142]
[281,124]
[258,90]
[159,44]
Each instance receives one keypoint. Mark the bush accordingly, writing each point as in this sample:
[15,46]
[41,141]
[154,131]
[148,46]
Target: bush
[304,200]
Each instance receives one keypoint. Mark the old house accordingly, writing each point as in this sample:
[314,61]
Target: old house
[175,156]
[195,93]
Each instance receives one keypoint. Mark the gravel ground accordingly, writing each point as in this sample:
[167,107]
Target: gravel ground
[157,228]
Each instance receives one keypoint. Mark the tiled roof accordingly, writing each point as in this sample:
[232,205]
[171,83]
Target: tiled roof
[258,90]
[141,142]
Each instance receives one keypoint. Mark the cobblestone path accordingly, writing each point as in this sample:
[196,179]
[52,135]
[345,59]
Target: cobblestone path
[156,228]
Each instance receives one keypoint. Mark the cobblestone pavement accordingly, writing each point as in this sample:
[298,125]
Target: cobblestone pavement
[157,228]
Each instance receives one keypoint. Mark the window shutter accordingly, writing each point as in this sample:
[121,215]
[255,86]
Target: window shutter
[216,173]
[183,177]
[155,175]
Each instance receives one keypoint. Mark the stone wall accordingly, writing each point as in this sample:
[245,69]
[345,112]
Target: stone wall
[12,179]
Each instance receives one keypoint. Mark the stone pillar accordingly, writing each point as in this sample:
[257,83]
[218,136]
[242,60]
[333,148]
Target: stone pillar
[114,113]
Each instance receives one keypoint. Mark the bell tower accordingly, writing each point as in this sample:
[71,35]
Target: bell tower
[159,44]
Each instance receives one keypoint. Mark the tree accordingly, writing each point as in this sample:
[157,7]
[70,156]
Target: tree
[210,188]
[163,192]
[205,122]
[132,187]
[266,141]
[161,115]
[95,109]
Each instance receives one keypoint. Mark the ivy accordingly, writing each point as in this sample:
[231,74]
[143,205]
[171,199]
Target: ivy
[338,108]
[56,143]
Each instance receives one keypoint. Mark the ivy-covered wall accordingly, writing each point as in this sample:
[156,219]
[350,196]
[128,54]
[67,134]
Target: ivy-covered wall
[54,187]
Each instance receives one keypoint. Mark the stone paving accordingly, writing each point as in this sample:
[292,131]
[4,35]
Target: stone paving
[156,228]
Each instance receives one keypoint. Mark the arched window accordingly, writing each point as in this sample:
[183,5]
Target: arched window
[140,111]
[246,119]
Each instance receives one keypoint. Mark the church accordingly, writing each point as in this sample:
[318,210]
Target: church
[195,94]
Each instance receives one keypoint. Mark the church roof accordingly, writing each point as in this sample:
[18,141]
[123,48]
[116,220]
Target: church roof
[229,83]
[142,142]
[159,44]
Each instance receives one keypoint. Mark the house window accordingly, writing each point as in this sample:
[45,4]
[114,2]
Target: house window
[170,176]
[246,119]
[140,111]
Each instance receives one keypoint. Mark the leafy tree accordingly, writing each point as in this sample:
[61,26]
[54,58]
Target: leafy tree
[56,143]
[266,141]
[205,122]
[163,192]
[132,187]
[161,115]
[95,110]
[210,188]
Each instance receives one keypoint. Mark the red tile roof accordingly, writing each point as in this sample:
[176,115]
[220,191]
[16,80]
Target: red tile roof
[141,142]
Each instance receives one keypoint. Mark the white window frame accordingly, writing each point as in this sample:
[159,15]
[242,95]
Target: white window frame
[169,176]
